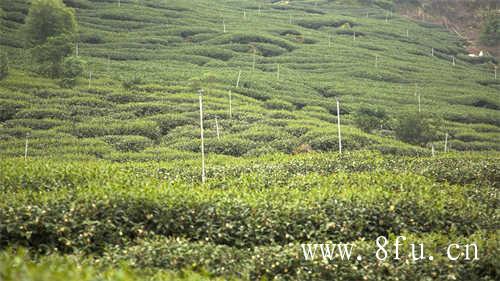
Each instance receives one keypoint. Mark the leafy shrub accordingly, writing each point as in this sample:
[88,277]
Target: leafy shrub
[414,128]
[369,119]
[128,143]
[167,122]
[279,105]
[4,66]
[72,68]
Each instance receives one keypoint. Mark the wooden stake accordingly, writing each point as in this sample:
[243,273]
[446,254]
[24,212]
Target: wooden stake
[230,106]
[26,147]
[238,80]
[278,72]
[217,128]
[446,143]
[203,176]
[338,125]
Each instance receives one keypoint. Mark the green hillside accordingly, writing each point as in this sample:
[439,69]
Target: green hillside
[102,181]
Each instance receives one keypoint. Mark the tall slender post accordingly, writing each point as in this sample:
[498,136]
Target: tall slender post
[119,3]
[407,33]
[453,59]
[432,52]
[224,25]
[433,150]
[496,72]
[238,80]
[203,176]
[90,78]
[446,143]
[217,128]
[290,20]
[244,14]
[376,61]
[230,105]
[26,147]
[254,58]
[76,49]
[338,125]
[354,36]
[278,72]
[419,108]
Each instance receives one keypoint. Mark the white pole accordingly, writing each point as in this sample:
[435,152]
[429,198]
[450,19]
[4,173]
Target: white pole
[224,25]
[278,72]
[433,150]
[203,179]
[119,3]
[419,108]
[453,60]
[338,125]
[407,33]
[26,147]
[416,89]
[245,15]
[496,72]
[238,80]
[376,61]
[230,106]
[76,49]
[432,52]
[354,36]
[290,20]
[217,128]
[254,57]
[446,143]
[259,10]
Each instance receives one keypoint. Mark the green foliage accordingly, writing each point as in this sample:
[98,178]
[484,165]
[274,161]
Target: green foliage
[72,68]
[369,119]
[49,18]
[4,66]
[414,128]
[50,55]
[490,31]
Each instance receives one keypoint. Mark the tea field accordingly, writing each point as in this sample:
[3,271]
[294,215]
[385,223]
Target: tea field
[102,181]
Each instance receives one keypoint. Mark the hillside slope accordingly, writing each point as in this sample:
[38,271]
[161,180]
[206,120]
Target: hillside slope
[149,58]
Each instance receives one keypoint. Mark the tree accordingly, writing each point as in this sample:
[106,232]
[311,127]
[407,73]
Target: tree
[50,55]
[48,18]
[368,119]
[4,66]
[490,32]
[414,128]
[72,67]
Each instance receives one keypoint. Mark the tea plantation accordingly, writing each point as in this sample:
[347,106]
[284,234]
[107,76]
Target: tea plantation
[101,178]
